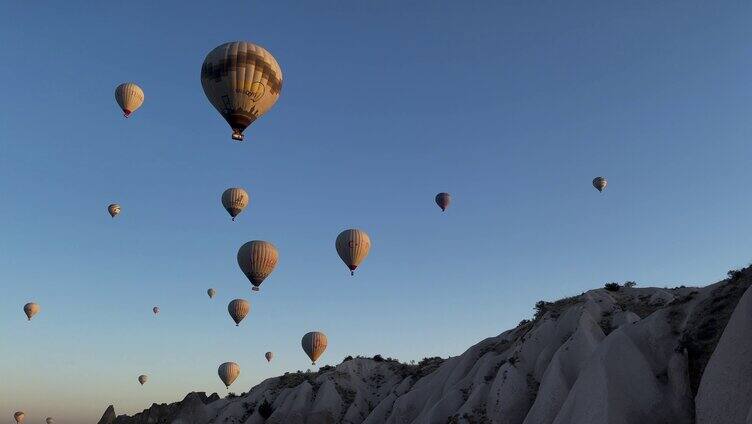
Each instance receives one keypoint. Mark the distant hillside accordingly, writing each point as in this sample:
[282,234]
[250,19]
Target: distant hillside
[616,355]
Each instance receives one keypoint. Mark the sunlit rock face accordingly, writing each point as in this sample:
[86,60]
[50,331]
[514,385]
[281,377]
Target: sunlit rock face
[619,356]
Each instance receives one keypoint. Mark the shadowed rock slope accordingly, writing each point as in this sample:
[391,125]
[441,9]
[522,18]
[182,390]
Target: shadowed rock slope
[618,356]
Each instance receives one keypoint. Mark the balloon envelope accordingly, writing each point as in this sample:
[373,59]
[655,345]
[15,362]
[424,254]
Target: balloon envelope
[129,97]
[19,416]
[155,310]
[238,309]
[353,246]
[49,420]
[143,379]
[443,200]
[228,372]
[314,344]
[242,81]
[31,309]
[269,356]
[257,260]
[235,200]
[211,293]
[113,209]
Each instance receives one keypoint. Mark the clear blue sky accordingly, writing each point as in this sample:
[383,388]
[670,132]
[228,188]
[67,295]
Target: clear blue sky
[511,106]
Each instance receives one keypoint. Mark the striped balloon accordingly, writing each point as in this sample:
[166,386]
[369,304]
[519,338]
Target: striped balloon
[228,372]
[113,209]
[600,183]
[269,356]
[19,416]
[314,345]
[242,81]
[235,200]
[353,246]
[129,97]
[443,200]
[257,260]
[238,310]
[155,310]
[211,293]
[31,309]
[143,379]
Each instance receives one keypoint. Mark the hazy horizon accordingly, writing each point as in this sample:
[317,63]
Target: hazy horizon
[513,108]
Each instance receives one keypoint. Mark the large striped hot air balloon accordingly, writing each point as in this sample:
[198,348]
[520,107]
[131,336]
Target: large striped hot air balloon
[235,200]
[129,97]
[228,372]
[600,183]
[314,345]
[113,209]
[143,379]
[353,246]
[238,309]
[242,81]
[443,200]
[19,416]
[257,260]
[31,309]
[269,356]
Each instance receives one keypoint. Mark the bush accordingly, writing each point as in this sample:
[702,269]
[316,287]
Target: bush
[378,358]
[265,409]
[541,307]
[231,395]
[613,287]
[347,358]
[326,368]
[734,274]
[630,284]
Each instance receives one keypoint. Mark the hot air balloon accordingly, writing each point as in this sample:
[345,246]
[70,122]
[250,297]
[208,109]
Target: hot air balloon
[211,293]
[155,310]
[49,420]
[269,356]
[443,200]
[113,209]
[314,345]
[228,372]
[600,183]
[235,200]
[242,81]
[143,379]
[31,309]
[129,97]
[19,416]
[238,310]
[353,246]
[257,260]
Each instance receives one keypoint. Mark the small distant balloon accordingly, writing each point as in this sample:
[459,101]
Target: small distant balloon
[600,183]
[269,356]
[49,420]
[314,344]
[235,200]
[443,200]
[242,81]
[113,209]
[353,246]
[257,260]
[238,309]
[19,416]
[129,97]
[143,379]
[155,310]
[31,309]
[228,372]
[211,293]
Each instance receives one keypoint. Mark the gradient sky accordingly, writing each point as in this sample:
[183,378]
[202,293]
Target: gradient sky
[511,106]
